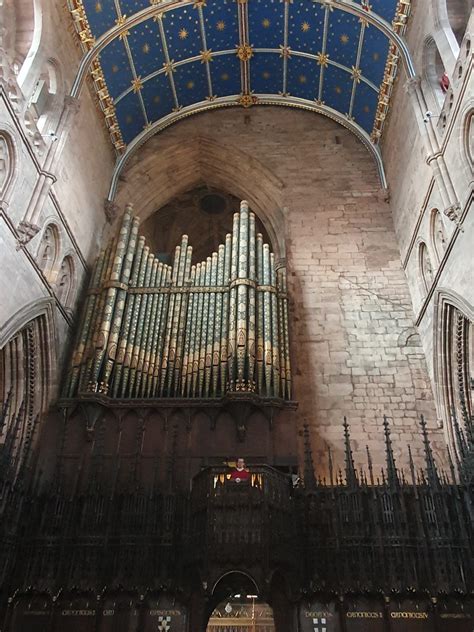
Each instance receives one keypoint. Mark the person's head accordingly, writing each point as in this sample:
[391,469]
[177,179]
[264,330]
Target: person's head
[240,463]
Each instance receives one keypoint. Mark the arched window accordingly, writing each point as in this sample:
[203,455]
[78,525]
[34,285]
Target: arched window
[468,133]
[438,235]
[426,269]
[458,369]
[7,164]
[459,12]
[48,251]
[65,282]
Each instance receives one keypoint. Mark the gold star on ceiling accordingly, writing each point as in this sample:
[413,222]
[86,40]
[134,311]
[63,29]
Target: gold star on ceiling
[322,59]
[266,74]
[220,26]
[129,119]
[265,23]
[375,56]
[225,76]
[338,89]
[115,68]
[366,108]
[344,38]
[305,27]
[137,84]
[98,7]
[190,85]
[156,99]
[302,79]
[146,48]
[183,34]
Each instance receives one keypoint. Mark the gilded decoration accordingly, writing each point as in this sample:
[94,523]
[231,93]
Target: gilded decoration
[317,34]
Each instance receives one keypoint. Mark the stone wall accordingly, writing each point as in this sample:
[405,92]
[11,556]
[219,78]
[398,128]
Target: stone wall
[355,349]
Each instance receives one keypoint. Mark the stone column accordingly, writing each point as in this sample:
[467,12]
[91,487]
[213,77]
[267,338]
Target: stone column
[435,157]
[28,226]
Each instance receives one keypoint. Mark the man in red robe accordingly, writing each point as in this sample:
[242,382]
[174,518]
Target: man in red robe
[239,473]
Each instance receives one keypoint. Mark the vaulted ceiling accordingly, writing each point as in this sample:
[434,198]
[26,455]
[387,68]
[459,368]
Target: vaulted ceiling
[189,56]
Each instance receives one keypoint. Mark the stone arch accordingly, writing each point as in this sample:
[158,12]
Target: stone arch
[8,165]
[48,251]
[50,91]
[438,234]
[453,364]
[28,351]
[29,28]
[425,267]
[458,12]
[65,282]
[163,175]
[433,75]
[467,130]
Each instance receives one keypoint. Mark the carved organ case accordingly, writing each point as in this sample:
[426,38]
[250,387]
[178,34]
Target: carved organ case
[204,343]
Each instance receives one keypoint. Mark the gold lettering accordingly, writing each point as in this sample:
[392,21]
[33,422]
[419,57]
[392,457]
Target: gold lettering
[409,615]
[356,614]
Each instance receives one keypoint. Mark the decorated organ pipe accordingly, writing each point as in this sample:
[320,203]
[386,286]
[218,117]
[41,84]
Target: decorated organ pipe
[207,330]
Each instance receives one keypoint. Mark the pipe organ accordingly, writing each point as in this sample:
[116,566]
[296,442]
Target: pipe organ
[204,330]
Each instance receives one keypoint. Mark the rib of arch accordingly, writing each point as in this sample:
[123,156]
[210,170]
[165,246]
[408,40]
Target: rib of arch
[141,16]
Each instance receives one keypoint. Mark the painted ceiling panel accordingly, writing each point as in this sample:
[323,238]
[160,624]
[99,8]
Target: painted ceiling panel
[374,55]
[306,27]
[146,48]
[130,116]
[266,72]
[202,50]
[183,35]
[102,15]
[365,104]
[303,77]
[191,83]
[266,22]
[343,38]
[225,74]
[116,66]
[221,24]
[158,97]
[337,89]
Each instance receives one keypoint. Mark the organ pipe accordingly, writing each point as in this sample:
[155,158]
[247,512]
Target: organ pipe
[150,330]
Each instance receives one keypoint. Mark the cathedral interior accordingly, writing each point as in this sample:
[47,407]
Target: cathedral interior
[236,316]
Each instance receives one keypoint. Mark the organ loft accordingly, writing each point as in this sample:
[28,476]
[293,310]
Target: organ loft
[236,316]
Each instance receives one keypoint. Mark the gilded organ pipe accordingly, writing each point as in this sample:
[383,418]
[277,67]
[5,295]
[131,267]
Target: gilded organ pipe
[150,330]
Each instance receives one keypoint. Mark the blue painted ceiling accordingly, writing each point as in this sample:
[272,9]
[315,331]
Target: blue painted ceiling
[190,55]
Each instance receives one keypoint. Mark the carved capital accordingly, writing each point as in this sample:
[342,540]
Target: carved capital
[26,232]
[111,210]
[453,212]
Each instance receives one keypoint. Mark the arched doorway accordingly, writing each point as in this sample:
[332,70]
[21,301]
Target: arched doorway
[238,606]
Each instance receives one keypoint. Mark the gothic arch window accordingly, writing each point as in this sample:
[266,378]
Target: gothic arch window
[468,133]
[435,80]
[438,235]
[65,282]
[426,268]
[24,370]
[458,12]
[457,373]
[48,251]
[7,164]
